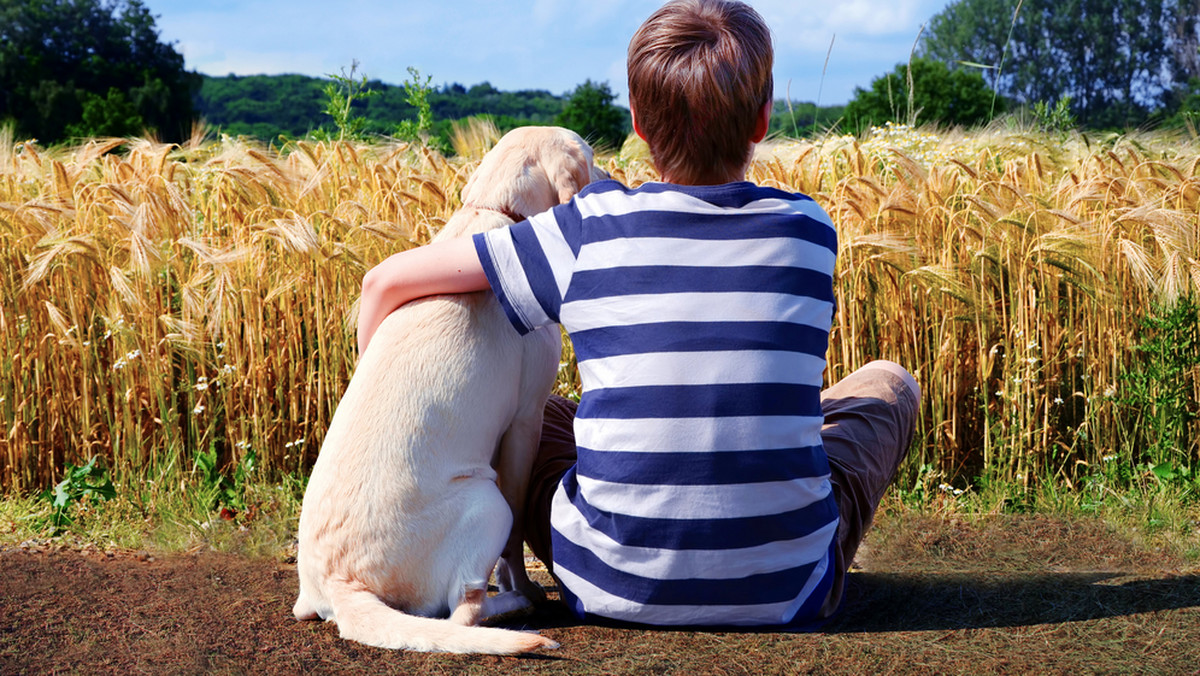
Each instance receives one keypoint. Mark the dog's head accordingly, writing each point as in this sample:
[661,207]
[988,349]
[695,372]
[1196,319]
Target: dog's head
[530,170]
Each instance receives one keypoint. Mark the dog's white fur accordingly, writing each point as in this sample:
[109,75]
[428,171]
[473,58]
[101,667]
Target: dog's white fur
[420,483]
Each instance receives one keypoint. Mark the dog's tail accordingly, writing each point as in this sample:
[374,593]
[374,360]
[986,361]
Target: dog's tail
[361,616]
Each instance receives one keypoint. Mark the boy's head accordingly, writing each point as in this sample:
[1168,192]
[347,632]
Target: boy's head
[699,76]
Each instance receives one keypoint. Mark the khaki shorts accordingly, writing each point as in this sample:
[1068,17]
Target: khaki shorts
[870,416]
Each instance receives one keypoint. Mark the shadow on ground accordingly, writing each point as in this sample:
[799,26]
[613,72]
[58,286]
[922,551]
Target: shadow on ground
[882,602]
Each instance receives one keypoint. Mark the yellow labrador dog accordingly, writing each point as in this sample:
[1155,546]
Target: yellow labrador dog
[421,480]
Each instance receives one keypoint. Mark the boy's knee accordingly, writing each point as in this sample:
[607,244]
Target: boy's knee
[900,372]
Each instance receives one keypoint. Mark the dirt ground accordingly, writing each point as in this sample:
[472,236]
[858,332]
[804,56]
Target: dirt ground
[1005,594]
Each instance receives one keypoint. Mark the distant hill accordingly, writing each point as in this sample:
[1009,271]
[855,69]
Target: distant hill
[267,106]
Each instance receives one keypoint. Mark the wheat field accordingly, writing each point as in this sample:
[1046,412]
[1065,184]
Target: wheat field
[162,300]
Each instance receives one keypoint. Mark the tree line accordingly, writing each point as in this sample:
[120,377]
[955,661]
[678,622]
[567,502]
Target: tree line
[268,107]
[1101,64]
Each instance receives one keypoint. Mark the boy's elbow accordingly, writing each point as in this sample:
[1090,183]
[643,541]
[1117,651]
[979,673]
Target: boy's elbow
[370,282]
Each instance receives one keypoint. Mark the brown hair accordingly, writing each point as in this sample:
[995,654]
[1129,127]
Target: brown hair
[699,73]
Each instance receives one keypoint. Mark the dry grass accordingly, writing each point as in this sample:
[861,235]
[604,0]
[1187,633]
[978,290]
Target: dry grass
[159,300]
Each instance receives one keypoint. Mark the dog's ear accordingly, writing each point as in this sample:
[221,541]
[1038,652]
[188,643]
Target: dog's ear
[571,171]
[466,189]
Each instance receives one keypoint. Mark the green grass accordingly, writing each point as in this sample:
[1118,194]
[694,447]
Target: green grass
[178,514]
[170,515]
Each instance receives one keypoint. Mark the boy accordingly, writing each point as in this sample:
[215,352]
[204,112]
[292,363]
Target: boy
[704,479]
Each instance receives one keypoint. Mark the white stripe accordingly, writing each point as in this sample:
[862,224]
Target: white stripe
[731,501]
[689,564]
[619,203]
[663,251]
[813,210]
[512,278]
[701,368]
[556,249]
[687,434]
[599,602]
[734,306]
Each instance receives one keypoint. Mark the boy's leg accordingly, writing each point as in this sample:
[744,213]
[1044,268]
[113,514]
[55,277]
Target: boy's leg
[870,416]
[556,454]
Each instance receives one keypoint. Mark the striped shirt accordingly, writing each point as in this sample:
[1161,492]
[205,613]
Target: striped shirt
[700,318]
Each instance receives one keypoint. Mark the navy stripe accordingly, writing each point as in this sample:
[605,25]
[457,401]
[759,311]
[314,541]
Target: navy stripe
[777,587]
[699,337]
[489,269]
[569,222]
[630,280]
[713,468]
[537,268]
[702,401]
[682,534]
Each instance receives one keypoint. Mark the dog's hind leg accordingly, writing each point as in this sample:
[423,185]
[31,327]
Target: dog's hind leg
[517,451]
[483,527]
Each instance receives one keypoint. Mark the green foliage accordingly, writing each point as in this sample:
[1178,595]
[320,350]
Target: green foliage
[591,113]
[263,106]
[60,61]
[341,94]
[221,491]
[111,115]
[1186,106]
[938,95]
[266,107]
[1160,390]
[793,119]
[79,485]
[416,94]
[1118,60]
[1056,120]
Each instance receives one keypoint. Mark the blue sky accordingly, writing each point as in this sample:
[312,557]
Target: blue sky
[538,44]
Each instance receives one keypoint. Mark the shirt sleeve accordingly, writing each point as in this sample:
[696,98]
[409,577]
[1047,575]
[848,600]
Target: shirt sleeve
[529,266]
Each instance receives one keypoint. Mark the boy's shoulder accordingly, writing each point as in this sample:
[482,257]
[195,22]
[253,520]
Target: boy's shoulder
[736,195]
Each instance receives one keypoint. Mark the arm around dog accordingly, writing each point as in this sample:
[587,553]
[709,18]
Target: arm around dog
[449,266]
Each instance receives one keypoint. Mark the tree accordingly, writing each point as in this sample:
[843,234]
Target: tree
[939,94]
[1116,59]
[591,113]
[90,67]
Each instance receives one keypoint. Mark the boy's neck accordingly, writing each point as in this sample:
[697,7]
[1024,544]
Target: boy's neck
[731,178]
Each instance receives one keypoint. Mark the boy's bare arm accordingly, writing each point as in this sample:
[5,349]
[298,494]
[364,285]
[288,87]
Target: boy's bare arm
[449,266]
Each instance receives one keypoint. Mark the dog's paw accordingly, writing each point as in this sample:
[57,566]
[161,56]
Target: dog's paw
[506,606]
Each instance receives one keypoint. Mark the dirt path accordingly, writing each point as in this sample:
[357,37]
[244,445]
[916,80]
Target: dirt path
[1012,595]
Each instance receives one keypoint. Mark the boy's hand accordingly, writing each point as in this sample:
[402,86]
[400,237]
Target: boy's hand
[449,266]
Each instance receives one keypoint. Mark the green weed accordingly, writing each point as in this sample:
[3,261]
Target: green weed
[223,492]
[416,93]
[341,95]
[80,485]
[1160,392]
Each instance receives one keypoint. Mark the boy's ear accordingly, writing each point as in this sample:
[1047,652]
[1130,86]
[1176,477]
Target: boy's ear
[763,123]
[636,129]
